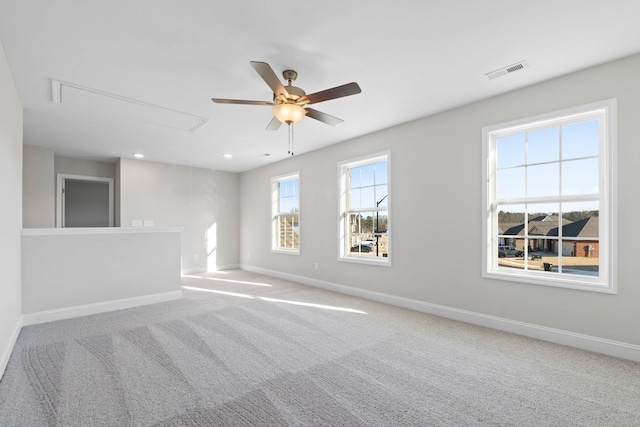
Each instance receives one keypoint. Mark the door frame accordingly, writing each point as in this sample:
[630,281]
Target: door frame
[60,181]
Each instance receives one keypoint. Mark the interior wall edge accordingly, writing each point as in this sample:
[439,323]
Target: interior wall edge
[6,353]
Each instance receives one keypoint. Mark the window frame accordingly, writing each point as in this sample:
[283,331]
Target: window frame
[606,282]
[275,213]
[344,253]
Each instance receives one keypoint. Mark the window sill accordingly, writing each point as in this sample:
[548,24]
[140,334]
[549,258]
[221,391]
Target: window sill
[286,251]
[553,280]
[382,262]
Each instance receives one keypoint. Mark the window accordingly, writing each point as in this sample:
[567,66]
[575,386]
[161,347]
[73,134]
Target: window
[285,202]
[364,210]
[549,199]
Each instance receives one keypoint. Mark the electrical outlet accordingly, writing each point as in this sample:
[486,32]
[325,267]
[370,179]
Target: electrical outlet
[148,223]
[197,257]
[316,266]
[136,223]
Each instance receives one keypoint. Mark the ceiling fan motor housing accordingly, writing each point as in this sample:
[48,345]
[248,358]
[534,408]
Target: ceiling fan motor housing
[295,93]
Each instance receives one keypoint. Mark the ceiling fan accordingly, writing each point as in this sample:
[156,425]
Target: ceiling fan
[290,102]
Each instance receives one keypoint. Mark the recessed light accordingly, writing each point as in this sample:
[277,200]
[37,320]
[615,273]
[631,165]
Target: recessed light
[138,155]
[227,155]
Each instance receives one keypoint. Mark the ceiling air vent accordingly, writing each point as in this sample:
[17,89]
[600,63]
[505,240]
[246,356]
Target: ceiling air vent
[507,70]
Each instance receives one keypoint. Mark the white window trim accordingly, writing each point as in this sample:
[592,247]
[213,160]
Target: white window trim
[343,166]
[274,202]
[607,280]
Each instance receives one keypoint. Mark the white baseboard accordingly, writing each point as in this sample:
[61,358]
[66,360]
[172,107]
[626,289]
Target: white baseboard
[193,271]
[96,308]
[6,352]
[227,267]
[586,342]
[205,269]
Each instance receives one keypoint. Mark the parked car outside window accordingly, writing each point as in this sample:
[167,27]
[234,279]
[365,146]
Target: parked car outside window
[361,248]
[504,251]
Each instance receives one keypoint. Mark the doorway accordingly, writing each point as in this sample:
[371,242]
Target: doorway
[84,201]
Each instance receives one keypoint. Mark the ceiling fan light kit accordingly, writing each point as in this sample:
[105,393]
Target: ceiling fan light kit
[289,101]
[289,113]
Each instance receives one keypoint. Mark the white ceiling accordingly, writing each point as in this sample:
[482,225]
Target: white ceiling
[134,72]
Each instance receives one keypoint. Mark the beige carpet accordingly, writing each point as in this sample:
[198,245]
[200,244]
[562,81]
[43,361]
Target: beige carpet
[246,349]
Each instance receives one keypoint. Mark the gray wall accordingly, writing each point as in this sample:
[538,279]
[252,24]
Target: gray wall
[73,166]
[64,269]
[40,169]
[204,202]
[11,211]
[38,188]
[436,166]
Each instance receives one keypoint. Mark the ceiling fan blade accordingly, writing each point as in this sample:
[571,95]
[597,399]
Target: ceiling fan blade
[323,117]
[333,93]
[267,74]
[274,124]
[240,101]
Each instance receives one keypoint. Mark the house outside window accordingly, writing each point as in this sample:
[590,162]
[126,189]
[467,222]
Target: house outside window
[364,220]
[549,195]
[285,225]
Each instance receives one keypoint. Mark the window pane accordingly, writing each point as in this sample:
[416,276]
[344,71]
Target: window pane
[510,183]
[543,223]
[510,151]
[382,199]
[287,205]
[510,223]
[288,200]
[381,223]
[287,188]
[381,173]
[512,253]
[361,223]
[288,227]
[367,197]
[580,177]
[361,235]
[544,261]
[543,145]
[543,180]
[581,243]
[282,189]
[354,199]
[367,175]
[580,140]
[354,177]
[542,229]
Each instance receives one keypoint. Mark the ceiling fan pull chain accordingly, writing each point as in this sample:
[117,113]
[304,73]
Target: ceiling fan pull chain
[290,139]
